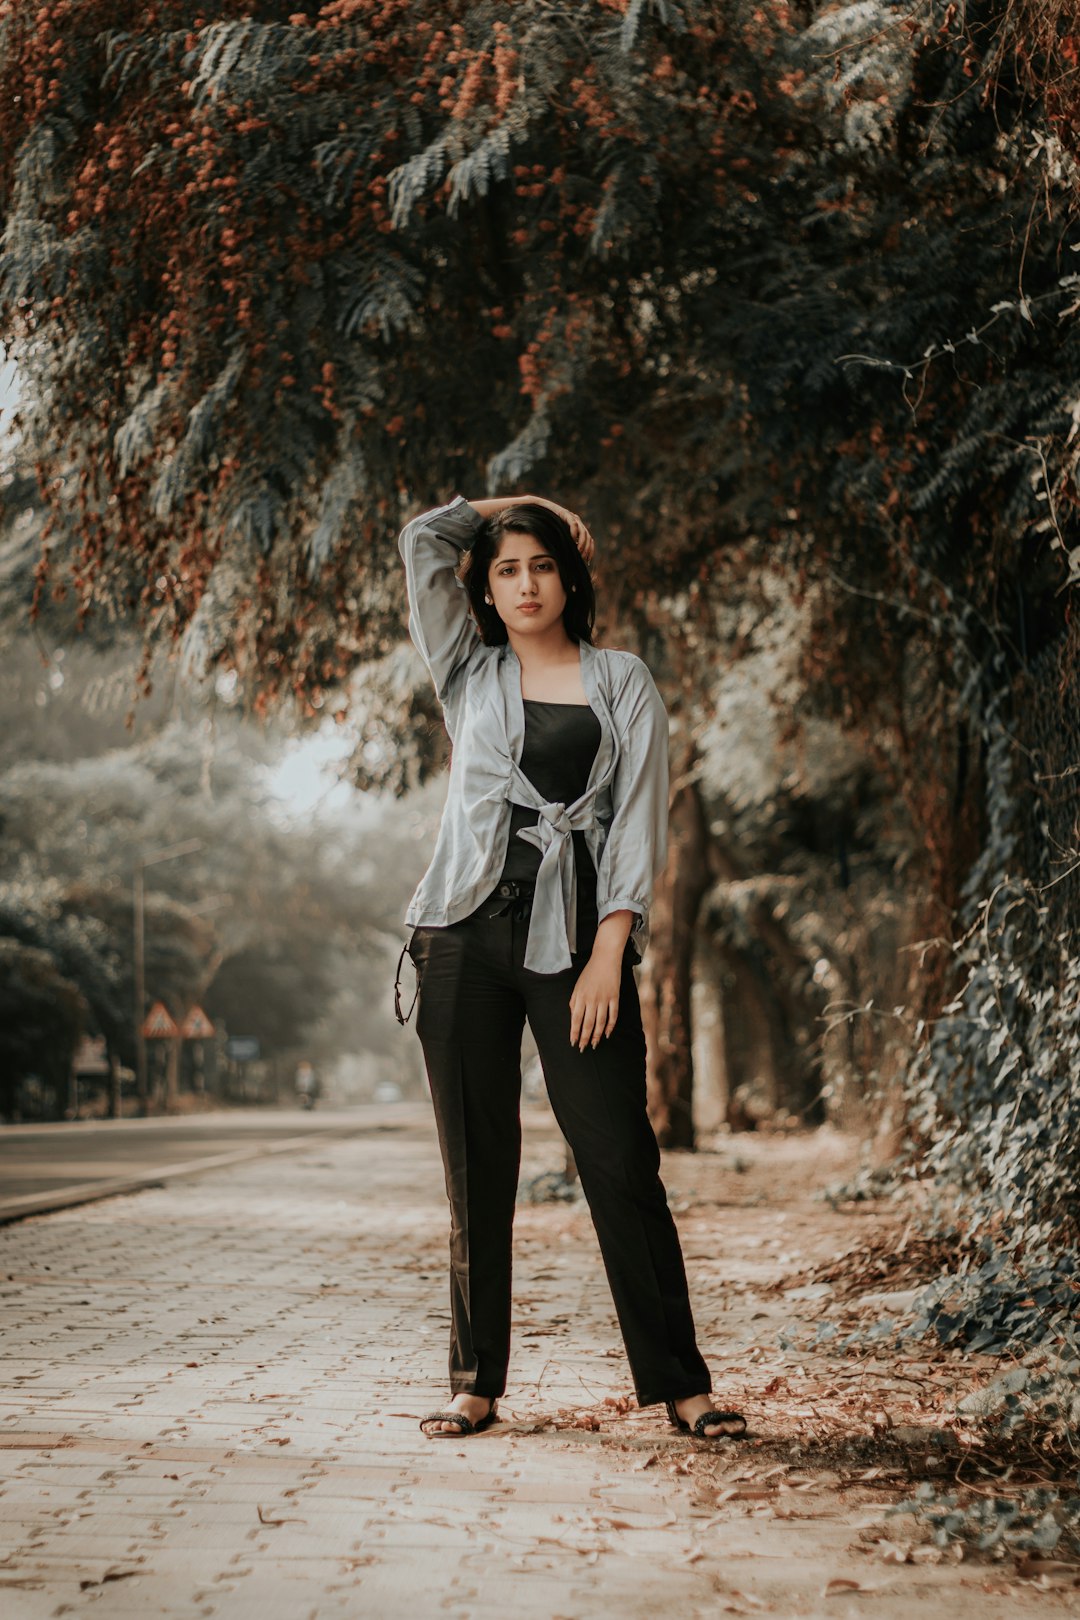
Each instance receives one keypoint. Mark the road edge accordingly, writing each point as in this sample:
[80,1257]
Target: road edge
[86,1192]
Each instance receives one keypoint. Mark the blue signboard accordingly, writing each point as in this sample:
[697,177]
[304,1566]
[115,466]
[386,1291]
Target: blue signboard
[242,1048]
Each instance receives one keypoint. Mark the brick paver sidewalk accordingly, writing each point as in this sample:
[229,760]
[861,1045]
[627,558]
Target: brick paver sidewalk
[211,1392]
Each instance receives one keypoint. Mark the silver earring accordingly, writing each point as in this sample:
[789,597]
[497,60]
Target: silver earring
[489,600]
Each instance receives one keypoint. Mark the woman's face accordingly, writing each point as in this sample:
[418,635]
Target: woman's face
[524,584]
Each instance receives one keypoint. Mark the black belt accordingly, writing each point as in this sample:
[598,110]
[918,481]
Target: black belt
[511,894]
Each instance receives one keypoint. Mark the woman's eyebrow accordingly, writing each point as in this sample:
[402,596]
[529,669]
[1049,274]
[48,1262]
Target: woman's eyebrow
[531,557]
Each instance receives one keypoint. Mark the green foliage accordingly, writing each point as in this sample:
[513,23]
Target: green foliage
[754,271]
[1039,1520]
[993,1091]
[41,1017]
[64,928]
[1005,1304]
[994,1086]
[238,252]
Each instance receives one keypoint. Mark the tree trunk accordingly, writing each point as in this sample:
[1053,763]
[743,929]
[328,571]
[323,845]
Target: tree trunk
[115,1090]
[748,1048]
[666,983]
[711,1089]
[783,985]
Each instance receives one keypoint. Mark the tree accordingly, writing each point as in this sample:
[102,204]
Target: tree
[41,1016]
[292,915]
[239,253]
[727,275]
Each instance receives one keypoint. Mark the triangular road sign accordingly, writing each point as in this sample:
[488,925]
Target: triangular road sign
[196,1026]
[159,1024]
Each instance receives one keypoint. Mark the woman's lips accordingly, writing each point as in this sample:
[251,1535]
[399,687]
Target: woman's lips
[529,607]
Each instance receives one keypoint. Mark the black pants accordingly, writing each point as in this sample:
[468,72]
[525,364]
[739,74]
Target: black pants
[474,998]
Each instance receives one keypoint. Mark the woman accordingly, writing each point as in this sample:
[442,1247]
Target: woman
[536,905]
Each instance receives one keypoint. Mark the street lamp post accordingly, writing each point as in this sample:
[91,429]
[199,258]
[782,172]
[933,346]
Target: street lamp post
[138,890]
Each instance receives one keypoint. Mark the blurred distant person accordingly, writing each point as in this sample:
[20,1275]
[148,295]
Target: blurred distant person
[307,1086]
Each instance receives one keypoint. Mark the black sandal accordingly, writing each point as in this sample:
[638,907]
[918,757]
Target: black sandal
[467,1426]
[703,1422]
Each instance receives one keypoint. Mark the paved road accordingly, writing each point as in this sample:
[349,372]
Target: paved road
[50,1166]
[209,1395]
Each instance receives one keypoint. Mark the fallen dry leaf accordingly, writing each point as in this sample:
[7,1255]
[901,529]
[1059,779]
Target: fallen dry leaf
[842,1583]
[618,1403]
[890,1552]
[589,1554]
[111,1575]
[263,1519]
[743,1603]
[601,1522]
[1030,1564]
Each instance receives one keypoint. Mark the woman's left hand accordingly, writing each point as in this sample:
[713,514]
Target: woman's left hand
[594,1003]
[579,529]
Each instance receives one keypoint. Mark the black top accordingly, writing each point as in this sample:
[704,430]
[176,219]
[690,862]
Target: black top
[560,745]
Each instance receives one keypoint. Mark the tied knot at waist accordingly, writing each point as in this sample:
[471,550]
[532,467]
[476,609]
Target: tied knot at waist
[556,818]
[556,815]
[553,923]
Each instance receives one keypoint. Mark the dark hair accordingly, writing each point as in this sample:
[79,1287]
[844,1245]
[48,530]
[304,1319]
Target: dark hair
[553,532]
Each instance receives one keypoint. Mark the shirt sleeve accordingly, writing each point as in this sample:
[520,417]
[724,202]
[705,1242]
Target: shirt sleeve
[441,627]
[635,851]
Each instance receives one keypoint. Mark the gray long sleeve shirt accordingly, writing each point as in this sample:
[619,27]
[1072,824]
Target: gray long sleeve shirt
[624,809]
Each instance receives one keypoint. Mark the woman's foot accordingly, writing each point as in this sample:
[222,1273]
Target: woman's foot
[474,1407]
[694,1405]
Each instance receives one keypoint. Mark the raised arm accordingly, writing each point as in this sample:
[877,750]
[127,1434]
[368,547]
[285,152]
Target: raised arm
[440,625]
